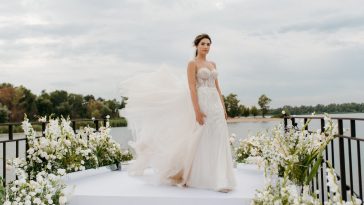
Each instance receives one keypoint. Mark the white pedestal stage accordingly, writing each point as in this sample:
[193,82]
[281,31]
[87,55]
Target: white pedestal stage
[117,188]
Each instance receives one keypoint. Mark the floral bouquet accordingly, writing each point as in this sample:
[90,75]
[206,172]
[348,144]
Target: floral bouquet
[61,148]
[247,148]
[44,189]
[297,152]
[286,192]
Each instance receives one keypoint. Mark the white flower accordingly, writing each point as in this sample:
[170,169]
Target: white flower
[61,172]
[37,201]
[14,189]
[42,119]
[30,151]
[67,142]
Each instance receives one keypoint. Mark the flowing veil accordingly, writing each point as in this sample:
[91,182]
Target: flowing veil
[161,118]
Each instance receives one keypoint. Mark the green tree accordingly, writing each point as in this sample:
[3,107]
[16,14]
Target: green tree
[88,98]
[254,111]
[4,113]
[241,109]
[114,106]
[59,99]
[246,112]
[96,109]
[27,102]
[263,102]
[78,106]
[64,109]
[44,104]
[105,110]
[232,105]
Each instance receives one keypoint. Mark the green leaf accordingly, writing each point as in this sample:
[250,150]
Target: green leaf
[314,170]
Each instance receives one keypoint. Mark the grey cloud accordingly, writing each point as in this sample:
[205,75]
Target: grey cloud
[327,25]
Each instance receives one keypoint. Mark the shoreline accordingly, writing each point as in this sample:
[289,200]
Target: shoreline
[258,119]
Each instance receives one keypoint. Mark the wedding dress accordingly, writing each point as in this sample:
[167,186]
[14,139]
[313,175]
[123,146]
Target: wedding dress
[167,137]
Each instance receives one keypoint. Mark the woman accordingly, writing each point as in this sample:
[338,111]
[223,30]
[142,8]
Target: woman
[180,129]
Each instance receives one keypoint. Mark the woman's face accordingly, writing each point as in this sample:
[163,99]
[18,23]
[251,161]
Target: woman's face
[203,46]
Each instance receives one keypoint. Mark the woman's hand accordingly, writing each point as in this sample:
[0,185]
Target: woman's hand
[200,117]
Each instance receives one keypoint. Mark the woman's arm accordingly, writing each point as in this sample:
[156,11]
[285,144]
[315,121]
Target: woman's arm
[191,74]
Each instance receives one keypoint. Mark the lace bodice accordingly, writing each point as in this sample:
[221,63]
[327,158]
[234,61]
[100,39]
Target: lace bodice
[205,77]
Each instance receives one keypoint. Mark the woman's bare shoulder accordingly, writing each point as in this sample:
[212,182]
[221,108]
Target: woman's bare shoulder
[213,63]
[192,64]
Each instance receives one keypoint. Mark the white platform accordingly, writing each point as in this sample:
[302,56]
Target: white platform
[117,187]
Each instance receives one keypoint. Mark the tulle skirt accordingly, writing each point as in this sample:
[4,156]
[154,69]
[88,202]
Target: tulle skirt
[167,137]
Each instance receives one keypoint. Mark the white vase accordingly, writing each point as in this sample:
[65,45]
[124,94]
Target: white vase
[123,166]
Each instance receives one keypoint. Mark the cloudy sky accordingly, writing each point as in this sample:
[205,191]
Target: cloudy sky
[295,52]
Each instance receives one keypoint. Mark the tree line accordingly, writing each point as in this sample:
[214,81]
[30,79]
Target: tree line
[235,109]
[320,109]
[17,100]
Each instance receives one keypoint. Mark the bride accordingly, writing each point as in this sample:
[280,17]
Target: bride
[179,125]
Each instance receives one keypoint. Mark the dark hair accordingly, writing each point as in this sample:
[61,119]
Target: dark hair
[199,38]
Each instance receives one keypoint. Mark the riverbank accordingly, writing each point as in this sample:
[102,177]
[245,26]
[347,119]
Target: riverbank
[257,119]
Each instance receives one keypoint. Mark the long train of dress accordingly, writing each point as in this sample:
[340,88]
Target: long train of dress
[167,137]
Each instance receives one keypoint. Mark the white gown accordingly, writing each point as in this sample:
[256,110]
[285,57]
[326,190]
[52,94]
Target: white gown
[167,137]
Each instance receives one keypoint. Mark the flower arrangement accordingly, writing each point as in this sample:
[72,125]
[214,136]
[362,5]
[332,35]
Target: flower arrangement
[127,156]
[105,149]
[57,152]
[61,148]
[247,148]
[286,192]
[293,152]
[44,189]
[289,155]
